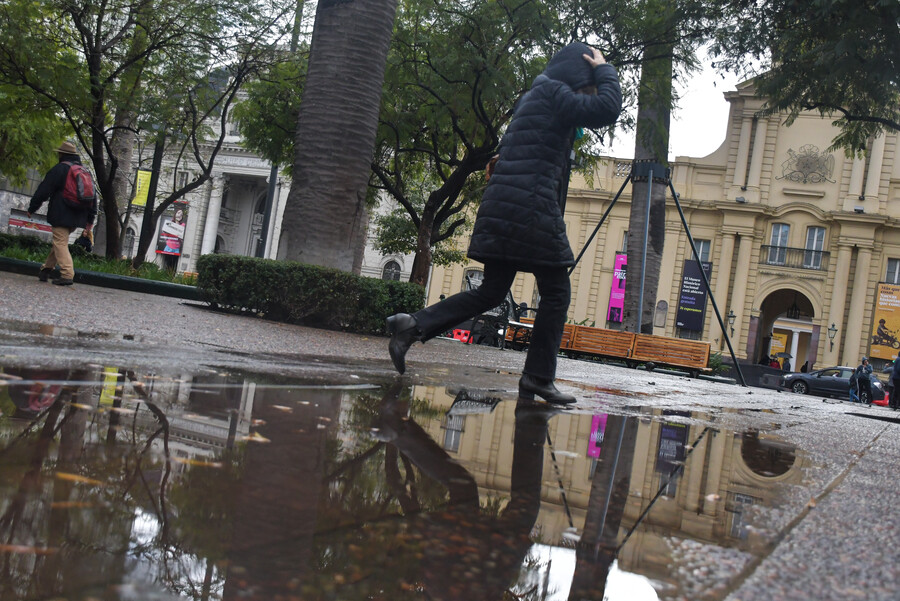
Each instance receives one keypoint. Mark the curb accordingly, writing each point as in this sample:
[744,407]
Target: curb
[108,280]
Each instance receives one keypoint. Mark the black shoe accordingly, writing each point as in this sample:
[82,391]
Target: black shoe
[530,386]
[63,281]
[403,331]
[47,274]
[526,409]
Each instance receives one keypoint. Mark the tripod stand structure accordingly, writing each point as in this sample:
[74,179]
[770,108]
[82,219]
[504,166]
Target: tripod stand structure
[644,171]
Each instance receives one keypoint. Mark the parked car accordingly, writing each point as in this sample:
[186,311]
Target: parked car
[831,381]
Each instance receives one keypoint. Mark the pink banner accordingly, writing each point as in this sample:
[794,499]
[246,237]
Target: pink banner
[598,427]
[617,290]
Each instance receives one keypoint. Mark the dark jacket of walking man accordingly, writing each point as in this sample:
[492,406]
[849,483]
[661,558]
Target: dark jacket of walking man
[63,218]
[520,224]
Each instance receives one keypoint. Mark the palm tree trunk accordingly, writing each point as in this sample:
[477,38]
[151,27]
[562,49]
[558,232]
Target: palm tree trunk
[651,144]
[325,218]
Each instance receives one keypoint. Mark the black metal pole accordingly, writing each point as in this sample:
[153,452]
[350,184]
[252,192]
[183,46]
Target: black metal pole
[640,323]
[267,212]
[147,230]
[273,174]
[712,298]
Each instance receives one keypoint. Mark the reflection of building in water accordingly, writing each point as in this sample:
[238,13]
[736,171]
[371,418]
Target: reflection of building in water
[724,473]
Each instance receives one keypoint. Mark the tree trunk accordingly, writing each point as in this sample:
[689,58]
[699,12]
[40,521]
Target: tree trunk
[122,146]
[424,250]
[325,219]
[651,144]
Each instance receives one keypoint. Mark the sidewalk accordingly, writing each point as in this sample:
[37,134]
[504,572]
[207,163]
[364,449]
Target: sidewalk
[838,537]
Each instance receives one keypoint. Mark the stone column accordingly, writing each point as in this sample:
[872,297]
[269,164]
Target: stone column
[795,346]
[740,166]
[876,162]
[738,294]
[213,211]
[759,147]
[722,283]
[838,302]
[855,188]
[860,294]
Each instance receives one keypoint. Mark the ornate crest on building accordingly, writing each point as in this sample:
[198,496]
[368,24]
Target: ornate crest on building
[807,166]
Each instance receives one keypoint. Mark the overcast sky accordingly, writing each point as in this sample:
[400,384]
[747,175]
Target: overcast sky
[698,124]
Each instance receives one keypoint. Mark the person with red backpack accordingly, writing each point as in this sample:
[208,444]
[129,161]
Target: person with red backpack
[72,197]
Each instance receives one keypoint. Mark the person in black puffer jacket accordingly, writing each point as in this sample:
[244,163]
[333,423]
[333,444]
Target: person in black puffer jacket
[520,224]
[63,218]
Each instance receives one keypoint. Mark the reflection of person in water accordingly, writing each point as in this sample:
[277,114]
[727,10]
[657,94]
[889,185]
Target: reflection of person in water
[436,552]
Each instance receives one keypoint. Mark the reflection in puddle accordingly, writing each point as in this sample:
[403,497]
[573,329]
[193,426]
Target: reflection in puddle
[121,485]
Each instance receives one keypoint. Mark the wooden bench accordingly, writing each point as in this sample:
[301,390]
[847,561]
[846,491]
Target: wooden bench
[600,341]
[675,352]
[567,336]
[518,333]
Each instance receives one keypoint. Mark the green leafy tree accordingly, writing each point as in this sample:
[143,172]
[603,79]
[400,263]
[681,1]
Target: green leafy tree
[29,131]
[115,65]
[661,38]
[454,74]
[267,116]
[838,57]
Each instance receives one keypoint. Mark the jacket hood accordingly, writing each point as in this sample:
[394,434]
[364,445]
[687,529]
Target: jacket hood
[568,66]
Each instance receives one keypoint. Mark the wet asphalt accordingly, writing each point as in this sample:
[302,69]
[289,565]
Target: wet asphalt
[838,535]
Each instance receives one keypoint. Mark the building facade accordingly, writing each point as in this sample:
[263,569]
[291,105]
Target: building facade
[796,238]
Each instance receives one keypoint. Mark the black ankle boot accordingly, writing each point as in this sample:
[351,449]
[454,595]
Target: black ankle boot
[530,385]
[403,330]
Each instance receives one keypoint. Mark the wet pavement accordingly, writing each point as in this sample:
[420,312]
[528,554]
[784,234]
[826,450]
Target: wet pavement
[153,449]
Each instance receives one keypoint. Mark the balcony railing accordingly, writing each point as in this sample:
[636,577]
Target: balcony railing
[794,258]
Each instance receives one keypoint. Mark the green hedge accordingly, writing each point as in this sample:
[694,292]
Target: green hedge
[304,294]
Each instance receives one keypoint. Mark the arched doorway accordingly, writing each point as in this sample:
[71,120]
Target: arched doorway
[785,326]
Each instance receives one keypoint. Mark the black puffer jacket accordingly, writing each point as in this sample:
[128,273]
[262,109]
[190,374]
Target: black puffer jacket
[59,214]
[520,221]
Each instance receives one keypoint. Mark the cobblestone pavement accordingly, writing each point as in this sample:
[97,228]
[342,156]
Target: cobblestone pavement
[839,537]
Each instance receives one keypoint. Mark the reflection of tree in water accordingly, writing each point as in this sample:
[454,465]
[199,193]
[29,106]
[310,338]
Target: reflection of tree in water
[92,497]
[371,480]
[430,543]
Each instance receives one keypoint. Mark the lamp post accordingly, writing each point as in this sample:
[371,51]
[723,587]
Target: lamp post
[832,332]
[731,317]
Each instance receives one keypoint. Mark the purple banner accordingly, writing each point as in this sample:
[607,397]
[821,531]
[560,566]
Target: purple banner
[617,290]
[598,427]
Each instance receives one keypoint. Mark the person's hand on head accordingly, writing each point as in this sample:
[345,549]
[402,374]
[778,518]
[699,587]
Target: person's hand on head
[595,58]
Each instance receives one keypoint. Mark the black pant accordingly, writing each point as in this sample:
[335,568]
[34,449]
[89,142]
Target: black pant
[865,391]
[553,286]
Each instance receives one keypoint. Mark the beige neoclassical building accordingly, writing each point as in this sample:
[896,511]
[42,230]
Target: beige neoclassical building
[798,238]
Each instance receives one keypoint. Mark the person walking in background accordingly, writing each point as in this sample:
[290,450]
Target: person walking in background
[864,381]
[64,217]
[786,366]
[804,368]
[519,226]
[894,395]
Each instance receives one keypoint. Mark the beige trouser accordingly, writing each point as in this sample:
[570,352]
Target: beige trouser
[59,254]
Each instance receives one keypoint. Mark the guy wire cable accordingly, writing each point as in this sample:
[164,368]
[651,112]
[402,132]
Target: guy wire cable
[562,491]
[661,489]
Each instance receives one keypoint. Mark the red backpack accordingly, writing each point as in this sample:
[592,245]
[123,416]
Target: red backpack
[78,191]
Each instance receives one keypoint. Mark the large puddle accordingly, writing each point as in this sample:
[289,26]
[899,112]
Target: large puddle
[121,485]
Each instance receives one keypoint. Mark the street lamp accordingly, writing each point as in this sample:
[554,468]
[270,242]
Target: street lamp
[832,332]
[731,317]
